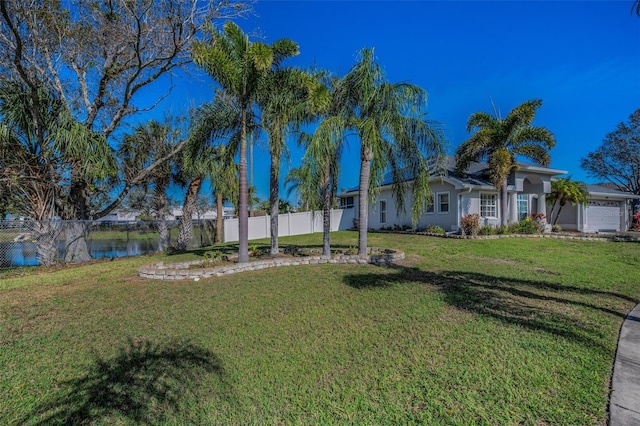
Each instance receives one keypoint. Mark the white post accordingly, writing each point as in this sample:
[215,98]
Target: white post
[513,207]
[582,221]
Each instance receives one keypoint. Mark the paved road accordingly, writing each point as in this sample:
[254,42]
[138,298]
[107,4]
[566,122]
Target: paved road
[624,408]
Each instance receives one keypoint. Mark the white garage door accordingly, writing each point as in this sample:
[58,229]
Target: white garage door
[603,215]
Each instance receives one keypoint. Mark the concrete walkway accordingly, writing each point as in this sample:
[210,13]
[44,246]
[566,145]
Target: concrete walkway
[624,407]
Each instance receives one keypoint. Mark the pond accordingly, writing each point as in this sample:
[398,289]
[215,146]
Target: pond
[24,253]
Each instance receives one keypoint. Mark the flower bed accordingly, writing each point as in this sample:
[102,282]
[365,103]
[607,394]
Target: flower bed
[186,270]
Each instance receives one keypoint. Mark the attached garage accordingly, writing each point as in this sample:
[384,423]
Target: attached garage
[604,215]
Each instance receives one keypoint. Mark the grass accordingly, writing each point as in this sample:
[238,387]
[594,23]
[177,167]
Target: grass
[508,331]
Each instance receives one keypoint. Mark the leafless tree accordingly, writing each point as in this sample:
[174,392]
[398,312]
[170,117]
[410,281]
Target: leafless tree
[98,56]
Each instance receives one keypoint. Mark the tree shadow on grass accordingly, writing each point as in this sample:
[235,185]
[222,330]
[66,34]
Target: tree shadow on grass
[534,305]
[144,383]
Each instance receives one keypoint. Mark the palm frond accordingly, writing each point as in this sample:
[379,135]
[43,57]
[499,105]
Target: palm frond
[481,120]
[522,115]
[540,136]
[473,149]
[536,153]
[284,49]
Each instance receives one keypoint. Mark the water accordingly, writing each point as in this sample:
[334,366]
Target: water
[24,253]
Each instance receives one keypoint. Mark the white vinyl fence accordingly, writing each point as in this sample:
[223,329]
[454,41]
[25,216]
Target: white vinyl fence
[290,224]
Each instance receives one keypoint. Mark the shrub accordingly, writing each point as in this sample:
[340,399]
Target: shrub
[488,230]
[525,226]
[209,259]
[470,224]
[556,228]
[435,229]
[540,220]
[255,251]
[502,230]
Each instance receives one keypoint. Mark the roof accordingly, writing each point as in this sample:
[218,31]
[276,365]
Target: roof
[474,177]
[604,191]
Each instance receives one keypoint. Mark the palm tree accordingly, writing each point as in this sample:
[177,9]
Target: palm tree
[299,180]
[565,191]
[213,138]
[224,183]
[149,142]
[241,68]
[283,107]
[499,141]
[390,122]
[30,166]
[39,143]
[200,161]
[192,175]
[321,161]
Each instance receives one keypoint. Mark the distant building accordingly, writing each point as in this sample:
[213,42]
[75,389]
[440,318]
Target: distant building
[129,216]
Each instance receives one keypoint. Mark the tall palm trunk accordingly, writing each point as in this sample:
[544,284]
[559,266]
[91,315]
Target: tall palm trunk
[186,223]
[243,215]
[363,200]
[219,217]
[46,233]
[160,207]
[163,231]
[326,213]
[274,200]
[504,208]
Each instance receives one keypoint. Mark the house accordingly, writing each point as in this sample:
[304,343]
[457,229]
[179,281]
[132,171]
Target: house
[456,196]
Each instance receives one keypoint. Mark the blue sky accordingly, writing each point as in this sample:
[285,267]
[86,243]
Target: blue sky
[582,58]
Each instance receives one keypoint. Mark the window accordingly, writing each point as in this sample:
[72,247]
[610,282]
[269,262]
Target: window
[430,205]
[346,202]
[488,205]
[443,202]
[383,211]
[523,206]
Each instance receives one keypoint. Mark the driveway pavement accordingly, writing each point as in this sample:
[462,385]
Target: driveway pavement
[624,406]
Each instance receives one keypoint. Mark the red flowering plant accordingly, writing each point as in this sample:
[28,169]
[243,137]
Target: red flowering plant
[470,224]
[635,225]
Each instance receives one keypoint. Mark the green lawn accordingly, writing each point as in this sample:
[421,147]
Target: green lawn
[499,332]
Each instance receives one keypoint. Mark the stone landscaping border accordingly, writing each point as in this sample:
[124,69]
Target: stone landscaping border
[184,271]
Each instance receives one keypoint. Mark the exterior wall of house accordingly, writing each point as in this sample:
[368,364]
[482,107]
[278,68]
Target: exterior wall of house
[570,216]
[527,194]
[470,203]
[443,194]
[448,220]
[346,220]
